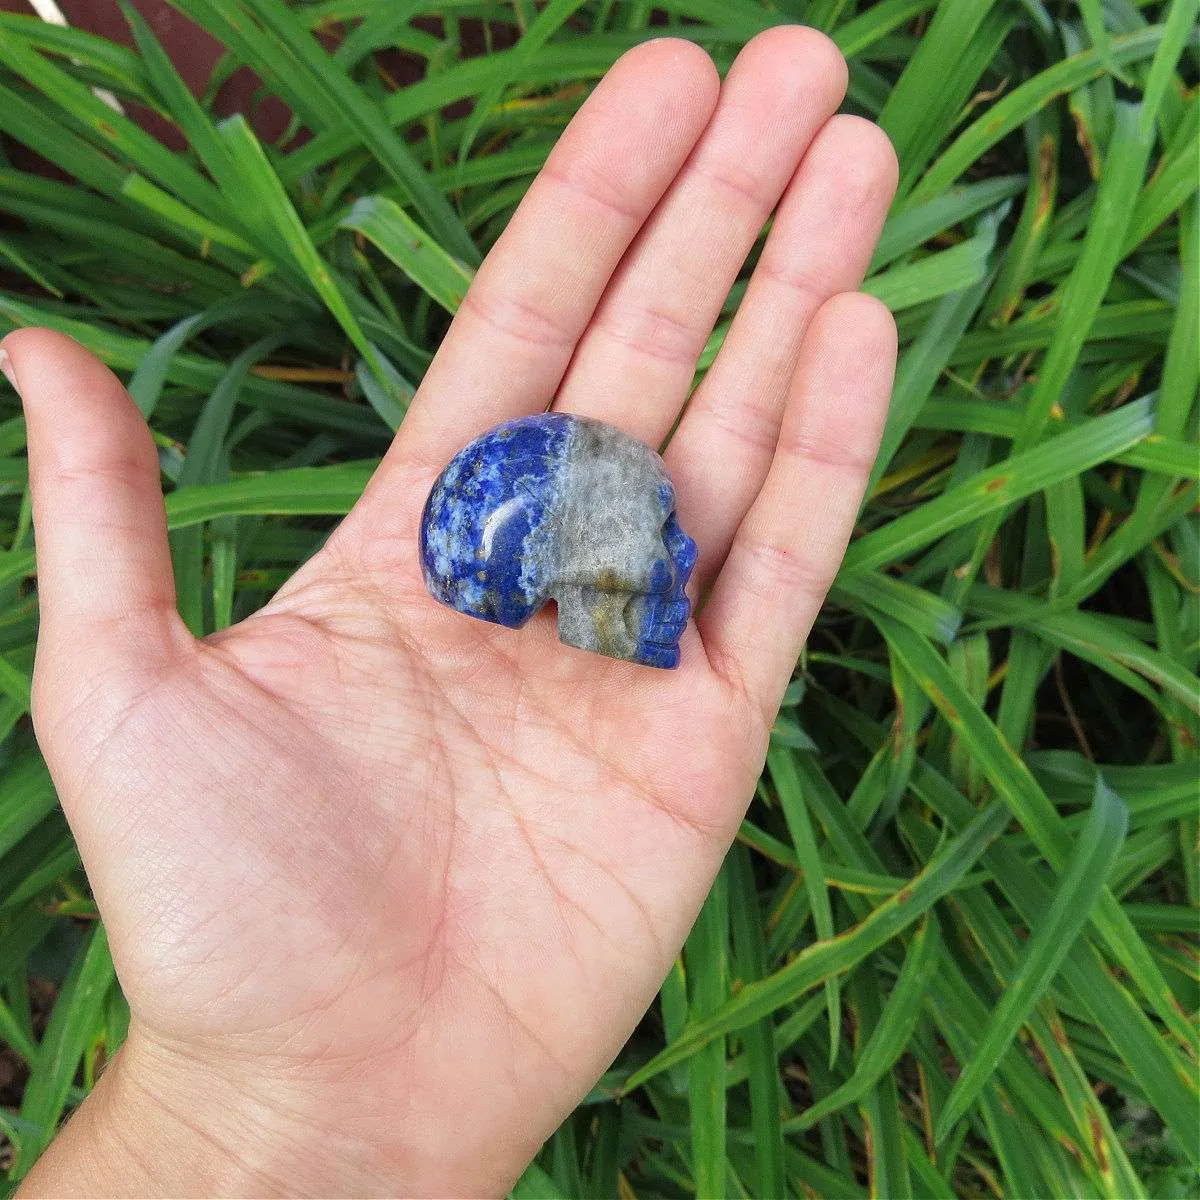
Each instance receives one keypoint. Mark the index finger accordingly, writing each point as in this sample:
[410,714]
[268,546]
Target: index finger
[511,341]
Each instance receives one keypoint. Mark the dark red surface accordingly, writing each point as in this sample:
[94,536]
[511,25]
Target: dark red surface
[195,54]
[193,51]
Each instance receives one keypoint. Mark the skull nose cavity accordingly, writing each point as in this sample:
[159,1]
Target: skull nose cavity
[682,550]
[563,507]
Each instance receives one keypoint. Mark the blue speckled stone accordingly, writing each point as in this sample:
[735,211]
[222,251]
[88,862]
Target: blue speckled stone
[560,507]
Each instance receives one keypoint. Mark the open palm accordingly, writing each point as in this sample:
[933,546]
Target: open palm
[390,870]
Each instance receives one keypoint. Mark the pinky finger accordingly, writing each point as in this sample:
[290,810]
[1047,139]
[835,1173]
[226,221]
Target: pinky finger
[790,544]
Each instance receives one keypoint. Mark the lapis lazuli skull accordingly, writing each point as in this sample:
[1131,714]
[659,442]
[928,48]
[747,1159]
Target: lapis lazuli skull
[560,507]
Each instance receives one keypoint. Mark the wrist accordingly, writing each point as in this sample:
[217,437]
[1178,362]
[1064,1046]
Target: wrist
[160,1123]
[144,1130]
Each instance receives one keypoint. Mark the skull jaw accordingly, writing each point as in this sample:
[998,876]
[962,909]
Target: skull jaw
[591,619]
[607,622]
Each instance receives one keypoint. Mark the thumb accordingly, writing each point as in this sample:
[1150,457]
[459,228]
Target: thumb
[105,586]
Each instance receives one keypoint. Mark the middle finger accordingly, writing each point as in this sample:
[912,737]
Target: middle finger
[634,364]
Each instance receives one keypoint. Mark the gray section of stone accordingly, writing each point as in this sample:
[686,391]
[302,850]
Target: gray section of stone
[596,620]
[609,536]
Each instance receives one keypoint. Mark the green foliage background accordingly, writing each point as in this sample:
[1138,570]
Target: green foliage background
[953,952]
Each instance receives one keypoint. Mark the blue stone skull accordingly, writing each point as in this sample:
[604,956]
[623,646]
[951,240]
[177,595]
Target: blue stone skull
[560,507]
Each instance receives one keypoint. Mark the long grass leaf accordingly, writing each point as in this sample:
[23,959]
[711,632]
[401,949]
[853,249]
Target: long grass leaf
[890,1037]
[72,1023]
[814,965]
[1077,894]
[706,959]
[383,222]
[787,784]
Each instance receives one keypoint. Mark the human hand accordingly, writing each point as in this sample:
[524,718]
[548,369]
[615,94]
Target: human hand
[387,887]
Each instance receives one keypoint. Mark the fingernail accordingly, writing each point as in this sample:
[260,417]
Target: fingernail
[7,368]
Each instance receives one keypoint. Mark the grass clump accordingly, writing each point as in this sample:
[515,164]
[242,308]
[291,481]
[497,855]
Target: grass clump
[871,1003]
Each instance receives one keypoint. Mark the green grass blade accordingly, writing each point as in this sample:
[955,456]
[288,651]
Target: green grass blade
[1091,637]
[28,797]
[203,465]
[384,223]
[146,383]
[266,192]
[890,1037]
[1016,786]
[1160,1073]
[916,115]
[111,129]
[329,79]
[1042,149]
[1022,102]
[72,1024]
[1084,291]
[862,590]
[15,683]
[759,1038]
[929,278]
[912,227]
[813,965]
[544,26]
[1077,894]
[994,489]
[1180,25]
[536,1184]
[120,66]
[706,960]
[883,1124]
[301,491]
[782,768]
[920,366]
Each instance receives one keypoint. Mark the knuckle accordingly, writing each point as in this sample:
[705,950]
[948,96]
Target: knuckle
[776,565]
[651,331]
[826,451]
[518,318]
[594,187]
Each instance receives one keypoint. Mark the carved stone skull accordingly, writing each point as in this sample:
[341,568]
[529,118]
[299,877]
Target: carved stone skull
[560,507]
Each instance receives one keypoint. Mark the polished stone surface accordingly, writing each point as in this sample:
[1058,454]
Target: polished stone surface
[559,507]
